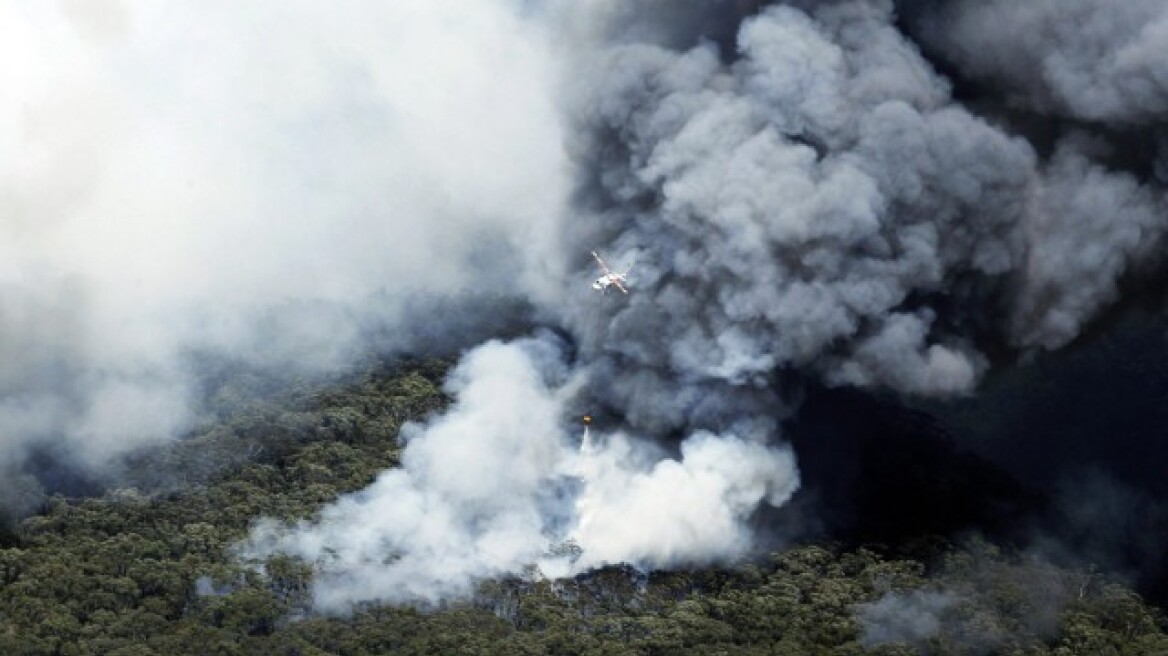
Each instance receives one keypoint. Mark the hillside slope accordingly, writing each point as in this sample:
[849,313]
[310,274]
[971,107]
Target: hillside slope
[149,569]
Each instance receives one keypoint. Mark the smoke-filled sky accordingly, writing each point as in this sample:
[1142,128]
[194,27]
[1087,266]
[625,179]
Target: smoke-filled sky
[208,177]
[886,195]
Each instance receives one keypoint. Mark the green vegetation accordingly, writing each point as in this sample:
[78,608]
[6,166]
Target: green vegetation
[148,570]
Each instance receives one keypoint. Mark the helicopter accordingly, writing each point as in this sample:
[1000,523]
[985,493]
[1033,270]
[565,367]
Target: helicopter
[610,278]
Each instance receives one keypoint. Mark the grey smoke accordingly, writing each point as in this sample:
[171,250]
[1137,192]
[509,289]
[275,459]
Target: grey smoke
[911,618]
[1112,523]
[799,206]
[966,614]
[1095,60]
[1088,228]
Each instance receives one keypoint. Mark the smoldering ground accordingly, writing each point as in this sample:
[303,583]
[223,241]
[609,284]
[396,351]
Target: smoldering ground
[801,190]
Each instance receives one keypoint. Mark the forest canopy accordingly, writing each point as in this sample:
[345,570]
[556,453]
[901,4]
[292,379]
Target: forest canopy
[151,568]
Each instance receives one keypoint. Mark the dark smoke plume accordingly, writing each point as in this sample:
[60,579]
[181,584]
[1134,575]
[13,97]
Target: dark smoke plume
[806,196]
[1095,60]
[821,202]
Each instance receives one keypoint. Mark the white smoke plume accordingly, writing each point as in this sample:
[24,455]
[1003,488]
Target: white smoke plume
[668,511]
[265,184]
[486,489]
[466,502]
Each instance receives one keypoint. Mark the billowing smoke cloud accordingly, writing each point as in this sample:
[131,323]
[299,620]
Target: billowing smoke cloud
[467,502]
[496,484]
[1088,228]
[820,201]
[1096,60]
[812,199]
[688,510]
[267,185]
[795,187]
